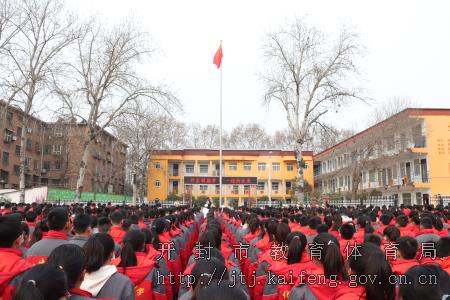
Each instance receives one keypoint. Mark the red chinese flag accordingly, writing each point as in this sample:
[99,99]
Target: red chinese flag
[218,57]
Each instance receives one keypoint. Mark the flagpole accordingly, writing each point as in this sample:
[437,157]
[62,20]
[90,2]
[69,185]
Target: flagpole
[220,137]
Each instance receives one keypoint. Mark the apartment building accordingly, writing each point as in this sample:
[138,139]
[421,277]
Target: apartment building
[249,174]
[406,156]
[53,154]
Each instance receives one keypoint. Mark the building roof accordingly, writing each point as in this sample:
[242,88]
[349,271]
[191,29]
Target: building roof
[214,152]
[403,113]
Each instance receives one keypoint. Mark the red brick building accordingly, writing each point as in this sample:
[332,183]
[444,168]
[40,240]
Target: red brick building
[53,154]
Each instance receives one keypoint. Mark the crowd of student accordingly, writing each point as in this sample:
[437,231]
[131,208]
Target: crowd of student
[89,251]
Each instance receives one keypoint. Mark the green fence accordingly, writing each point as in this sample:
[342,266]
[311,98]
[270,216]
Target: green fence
[69,195]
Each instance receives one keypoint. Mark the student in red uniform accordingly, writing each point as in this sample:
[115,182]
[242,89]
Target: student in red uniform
[102,279]
[370,262]
[425,282]
[117,232]
[12,265]
[59,226]
[135,264]
[141,223]
[385,220]
[72,260]
[327,269]
[406,255]
[402,223]
[347,243]
[443,251]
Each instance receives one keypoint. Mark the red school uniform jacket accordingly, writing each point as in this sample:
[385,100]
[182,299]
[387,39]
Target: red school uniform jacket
[399,267]
[117,233]
[39,252]
[11,265]
[145,279]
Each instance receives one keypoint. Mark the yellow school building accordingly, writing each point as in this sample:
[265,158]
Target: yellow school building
[248,175]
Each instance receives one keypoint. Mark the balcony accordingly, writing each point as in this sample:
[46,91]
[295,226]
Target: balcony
[420,142]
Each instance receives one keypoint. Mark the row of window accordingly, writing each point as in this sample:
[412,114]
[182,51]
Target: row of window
[36,163]
[260,187]
[233,166]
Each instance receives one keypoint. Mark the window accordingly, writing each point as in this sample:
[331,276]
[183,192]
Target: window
[290,167]
[189,169]
[246,189]
[46,165]
[235,189]
[8,136]
[157,183]
[306,166]
[372,175]
[203,189]
[27,161]
[204,169]
[5,157]
[275,187]
[57,149]
[275,167]
[19,131]
[18,148]
[260,186]
[157,165]
[247,166]
[37,147]
[188,188]
[29,144]
[36,164]
[232,166]
[261,166]
[47,149]
[16,169]
[57,165]
[9,117]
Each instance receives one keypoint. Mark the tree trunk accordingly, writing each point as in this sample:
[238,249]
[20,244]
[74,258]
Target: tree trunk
[299,181]
[356,179]
[23,140]
[82,171]
[135,189]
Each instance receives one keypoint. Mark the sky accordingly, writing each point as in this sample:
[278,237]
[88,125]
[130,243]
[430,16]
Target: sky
[407,51]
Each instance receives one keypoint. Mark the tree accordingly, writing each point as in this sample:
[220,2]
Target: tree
[106,82]
[32,60]
[308,77]
[248,136]
[144,129]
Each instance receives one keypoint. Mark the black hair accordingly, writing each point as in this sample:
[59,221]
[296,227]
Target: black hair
[385,219]
[331,258]
[133,241]
[283,231]
[426,223]
[104,224]
[373,238]
[372,261]
[347,231]
[322,228]
[205,271]
[116,217]
[271,229]
[42,282]
[425,282]
[209,238]
[57,218]
[296,242]
[221,290]
[407,246]
[81,223]
[253,225]
[158,227]
[443,247]
[392,233]
[402,220]
[148,236]
[126,224]
[72,260]
[314,222]
[38,232]
[98,250]
[10,230]
[30,216]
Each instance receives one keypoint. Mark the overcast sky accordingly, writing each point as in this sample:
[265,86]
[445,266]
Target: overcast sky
[407,45]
